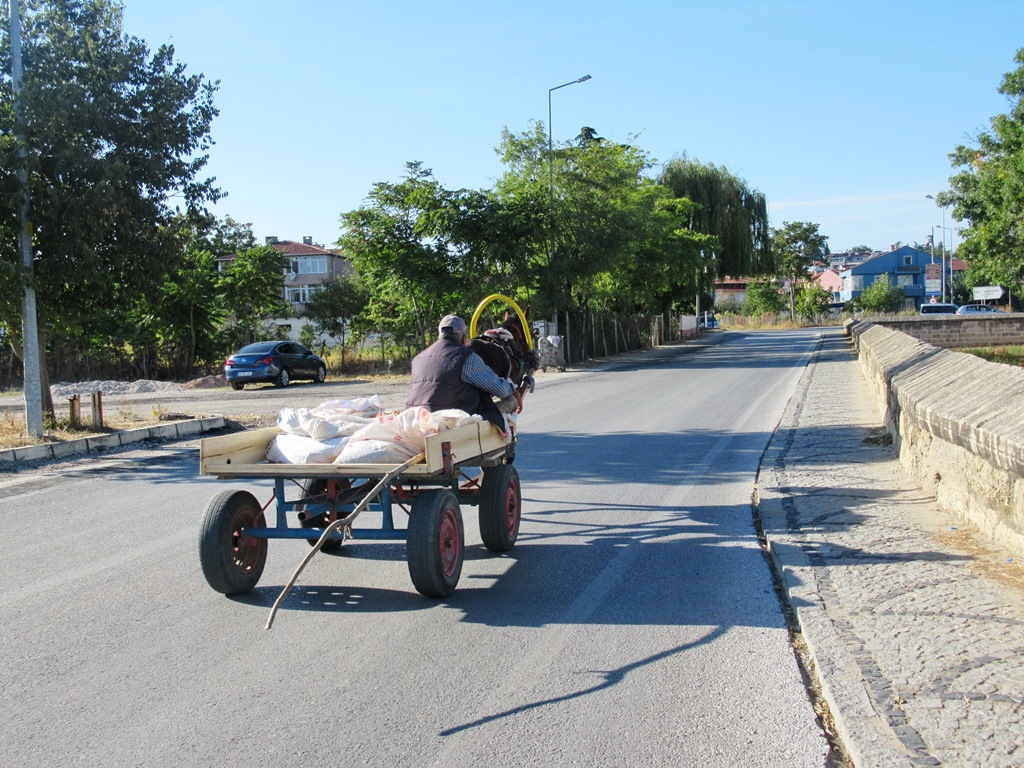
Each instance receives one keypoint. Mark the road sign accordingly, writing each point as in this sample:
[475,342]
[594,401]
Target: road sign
[987,292]
[932,278]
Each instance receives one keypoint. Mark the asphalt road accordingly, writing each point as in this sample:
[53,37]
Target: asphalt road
[635,623]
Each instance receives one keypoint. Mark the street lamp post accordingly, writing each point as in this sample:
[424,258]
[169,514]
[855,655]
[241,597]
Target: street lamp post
[944,228]
[551,169]
[551,197]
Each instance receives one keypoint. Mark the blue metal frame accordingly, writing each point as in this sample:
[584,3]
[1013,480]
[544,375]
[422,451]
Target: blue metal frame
[281,530]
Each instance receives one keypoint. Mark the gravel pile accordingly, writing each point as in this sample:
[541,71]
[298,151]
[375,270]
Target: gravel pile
[85,388]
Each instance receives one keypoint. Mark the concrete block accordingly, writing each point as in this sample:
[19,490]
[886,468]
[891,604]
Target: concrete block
[135,435]
[103,442]
[70,448]
[163,431]
[31,452]
[186,428]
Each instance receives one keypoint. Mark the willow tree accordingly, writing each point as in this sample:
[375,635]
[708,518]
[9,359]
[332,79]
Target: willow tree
[727,210]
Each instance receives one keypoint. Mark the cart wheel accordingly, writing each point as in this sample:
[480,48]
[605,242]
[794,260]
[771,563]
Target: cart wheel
[434,543]
[500,507]
[312,488]
[232,563]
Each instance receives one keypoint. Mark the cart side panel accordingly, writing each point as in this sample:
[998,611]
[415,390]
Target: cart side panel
[244,455]
[234,451]
[467,442]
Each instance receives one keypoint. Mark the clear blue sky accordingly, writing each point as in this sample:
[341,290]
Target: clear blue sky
[842,112]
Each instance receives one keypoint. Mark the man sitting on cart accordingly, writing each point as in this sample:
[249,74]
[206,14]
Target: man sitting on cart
[448,374]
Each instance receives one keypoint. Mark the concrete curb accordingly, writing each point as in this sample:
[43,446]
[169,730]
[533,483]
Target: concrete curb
[170,431]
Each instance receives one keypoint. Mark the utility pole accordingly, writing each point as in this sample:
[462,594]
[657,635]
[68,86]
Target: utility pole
[30,329]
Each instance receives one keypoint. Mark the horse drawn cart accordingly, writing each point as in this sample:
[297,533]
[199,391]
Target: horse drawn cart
[466,465]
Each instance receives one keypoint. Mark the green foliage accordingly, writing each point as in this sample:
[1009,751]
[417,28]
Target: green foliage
[988,193]
[331,310]
[251,288]
[404,249]
[813,301]
[795,247]
[727,210]
[186,314]
[113,134]
[763,298]
[596,208]
[880,297]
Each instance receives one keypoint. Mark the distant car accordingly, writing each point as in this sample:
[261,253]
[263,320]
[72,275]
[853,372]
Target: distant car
[938,309]
[707,321]
[279,362]
[977,309]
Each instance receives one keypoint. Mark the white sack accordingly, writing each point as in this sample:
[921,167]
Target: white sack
[298,449]
[405,431]
[329,420]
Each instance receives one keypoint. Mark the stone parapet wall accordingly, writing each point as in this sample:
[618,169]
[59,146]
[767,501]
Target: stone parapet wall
[957,422]
[953,331]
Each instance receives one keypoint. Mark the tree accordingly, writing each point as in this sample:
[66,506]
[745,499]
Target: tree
[763,298]
[988,192]
[726,209]
[796,246]
[113,134]
[596,217]
[188,312]
[332,309]
[813,301]
[881,296]
[401,247]
[252,287]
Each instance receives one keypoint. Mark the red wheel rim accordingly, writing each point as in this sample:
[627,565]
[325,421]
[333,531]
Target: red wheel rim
[246,550]
[511,509]
[449,543]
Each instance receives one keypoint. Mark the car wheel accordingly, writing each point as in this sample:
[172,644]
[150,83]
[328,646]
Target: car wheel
[236,386]
[321,374]
[282,378]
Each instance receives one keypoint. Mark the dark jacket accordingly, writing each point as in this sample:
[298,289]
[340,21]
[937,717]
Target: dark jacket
[436,380]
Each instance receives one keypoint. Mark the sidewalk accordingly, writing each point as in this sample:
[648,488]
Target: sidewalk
[914,624]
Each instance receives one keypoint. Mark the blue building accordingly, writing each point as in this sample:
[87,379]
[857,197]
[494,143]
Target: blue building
[906,267]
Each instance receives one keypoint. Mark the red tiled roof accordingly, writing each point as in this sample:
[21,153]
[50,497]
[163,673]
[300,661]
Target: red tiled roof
[292,248]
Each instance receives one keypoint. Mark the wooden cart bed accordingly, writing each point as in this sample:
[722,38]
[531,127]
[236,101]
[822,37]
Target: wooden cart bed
[243,454]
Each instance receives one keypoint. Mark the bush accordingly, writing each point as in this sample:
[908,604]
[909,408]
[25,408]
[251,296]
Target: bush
[881,296]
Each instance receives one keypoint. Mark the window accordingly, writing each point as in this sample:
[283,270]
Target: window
[300,294]
[308,265]
[908,261]
[905,281]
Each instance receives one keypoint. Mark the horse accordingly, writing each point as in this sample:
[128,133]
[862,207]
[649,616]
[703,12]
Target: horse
[506,351]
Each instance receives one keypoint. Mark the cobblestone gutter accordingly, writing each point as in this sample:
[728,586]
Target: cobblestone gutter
[957,422]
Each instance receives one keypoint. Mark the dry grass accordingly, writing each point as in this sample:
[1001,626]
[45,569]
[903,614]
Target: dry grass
[13,433]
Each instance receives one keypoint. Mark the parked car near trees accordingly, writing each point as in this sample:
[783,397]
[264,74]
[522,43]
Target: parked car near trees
[279,362]
[977,309]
